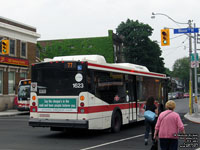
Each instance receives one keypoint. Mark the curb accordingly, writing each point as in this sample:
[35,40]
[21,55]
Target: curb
[9,113]
[191,118]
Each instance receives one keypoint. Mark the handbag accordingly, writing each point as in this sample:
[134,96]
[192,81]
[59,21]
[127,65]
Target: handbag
[149,115]
[155,145]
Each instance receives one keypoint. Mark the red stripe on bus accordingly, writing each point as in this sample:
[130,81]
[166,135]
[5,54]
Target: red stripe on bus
[126,70]
[104,108]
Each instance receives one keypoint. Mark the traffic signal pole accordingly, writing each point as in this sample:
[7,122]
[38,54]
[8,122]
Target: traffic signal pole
[190,52]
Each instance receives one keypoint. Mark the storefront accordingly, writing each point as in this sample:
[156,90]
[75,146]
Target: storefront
[16,65]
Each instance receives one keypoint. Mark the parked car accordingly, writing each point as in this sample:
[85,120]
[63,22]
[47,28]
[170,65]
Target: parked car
[173,95]
[180,95]
[186,95]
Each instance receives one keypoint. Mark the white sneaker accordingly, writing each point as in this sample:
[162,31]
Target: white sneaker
[145,141]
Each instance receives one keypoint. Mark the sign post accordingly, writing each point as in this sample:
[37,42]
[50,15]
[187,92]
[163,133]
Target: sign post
[193,63]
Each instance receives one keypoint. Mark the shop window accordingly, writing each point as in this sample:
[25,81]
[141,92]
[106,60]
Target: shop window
[12,47]
[23,75]
[11,82]
[23,49]
[1,82]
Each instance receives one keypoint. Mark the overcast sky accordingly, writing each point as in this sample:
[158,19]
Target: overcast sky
[60,19]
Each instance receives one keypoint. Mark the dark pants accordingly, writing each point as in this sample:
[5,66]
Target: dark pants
[169,144]
[149,125]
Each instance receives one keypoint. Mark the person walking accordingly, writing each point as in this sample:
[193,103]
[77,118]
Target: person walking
[150,124]
[168,126]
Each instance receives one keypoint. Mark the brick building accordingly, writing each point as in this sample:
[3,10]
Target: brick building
[16,65]
[111,47]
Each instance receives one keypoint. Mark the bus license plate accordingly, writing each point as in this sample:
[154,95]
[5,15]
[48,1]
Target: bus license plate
[42,91]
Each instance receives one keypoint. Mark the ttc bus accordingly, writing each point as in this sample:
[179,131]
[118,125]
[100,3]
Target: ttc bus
[24,95]
[85,92]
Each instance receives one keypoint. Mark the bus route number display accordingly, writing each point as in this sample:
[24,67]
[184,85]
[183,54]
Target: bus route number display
[70,65]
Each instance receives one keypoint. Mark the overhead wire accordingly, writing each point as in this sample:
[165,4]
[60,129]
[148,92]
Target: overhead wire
[175,48]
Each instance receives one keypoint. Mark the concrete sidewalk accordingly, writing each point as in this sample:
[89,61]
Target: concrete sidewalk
[12,112]
[194,117]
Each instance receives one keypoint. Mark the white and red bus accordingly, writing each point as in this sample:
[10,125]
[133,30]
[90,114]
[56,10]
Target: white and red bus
[86,92]
[23,96]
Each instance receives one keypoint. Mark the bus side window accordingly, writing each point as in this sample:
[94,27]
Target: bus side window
[121,93]
[91,82]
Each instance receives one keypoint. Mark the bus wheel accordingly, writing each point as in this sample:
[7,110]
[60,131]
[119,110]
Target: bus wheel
[116,122]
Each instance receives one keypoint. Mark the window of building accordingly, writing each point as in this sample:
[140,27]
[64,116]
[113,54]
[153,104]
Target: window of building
[11,82]
[23,49]
[1,82]
[23,75]
[12,47]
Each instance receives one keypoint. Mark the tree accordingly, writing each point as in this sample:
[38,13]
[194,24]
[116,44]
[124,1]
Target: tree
[181,70]
[139,49]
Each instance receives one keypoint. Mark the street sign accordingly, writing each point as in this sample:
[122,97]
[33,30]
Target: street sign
[194,64]
[186,30]
[192,58]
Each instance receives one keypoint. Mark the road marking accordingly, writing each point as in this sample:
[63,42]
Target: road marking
[185,125]
[133,137]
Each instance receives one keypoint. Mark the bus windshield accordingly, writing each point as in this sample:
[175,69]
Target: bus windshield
[57,79]
[24,92]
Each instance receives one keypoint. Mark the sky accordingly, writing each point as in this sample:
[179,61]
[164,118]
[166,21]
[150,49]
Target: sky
[62,19]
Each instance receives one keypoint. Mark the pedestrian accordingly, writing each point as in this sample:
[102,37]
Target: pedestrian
[168,126]
[150,124]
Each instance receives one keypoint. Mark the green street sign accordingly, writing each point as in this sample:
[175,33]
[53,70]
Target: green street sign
[192,58]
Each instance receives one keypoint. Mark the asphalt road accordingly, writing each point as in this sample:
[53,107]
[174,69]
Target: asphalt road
[15,134]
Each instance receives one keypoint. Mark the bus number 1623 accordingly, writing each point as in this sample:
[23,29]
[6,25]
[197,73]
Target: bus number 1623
[78,85]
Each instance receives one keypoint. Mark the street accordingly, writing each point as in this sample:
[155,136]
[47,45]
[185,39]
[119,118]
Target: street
[15,134]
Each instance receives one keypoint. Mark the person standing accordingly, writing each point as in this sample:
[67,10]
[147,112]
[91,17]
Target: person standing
[148,124]
[168,126]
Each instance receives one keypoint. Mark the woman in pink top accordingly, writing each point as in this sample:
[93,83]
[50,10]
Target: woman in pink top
[168,125]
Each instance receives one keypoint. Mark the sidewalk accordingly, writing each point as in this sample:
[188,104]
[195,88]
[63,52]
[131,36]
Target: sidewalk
[193,117]
[12,112]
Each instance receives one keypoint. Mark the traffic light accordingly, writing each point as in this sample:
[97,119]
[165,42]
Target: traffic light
[165,38]
[5,47]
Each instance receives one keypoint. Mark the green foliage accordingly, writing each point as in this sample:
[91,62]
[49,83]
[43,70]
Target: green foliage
[139,49]
[168,72]
[181,70]
[83,46]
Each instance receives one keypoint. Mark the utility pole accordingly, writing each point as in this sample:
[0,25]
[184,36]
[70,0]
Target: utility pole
[190,81]
[195,75]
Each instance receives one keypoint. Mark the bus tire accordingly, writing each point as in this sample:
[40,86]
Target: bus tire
[116,122]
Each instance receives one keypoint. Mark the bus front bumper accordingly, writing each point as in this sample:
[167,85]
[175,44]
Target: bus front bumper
[82,124]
